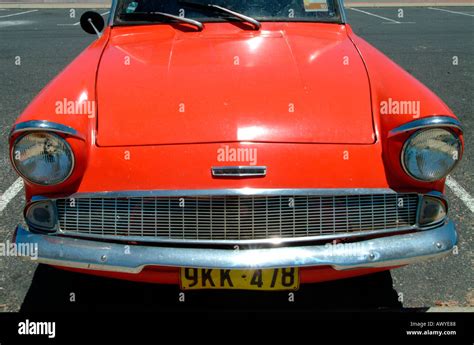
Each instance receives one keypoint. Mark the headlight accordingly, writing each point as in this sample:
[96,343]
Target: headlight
[431,154]
[43,158]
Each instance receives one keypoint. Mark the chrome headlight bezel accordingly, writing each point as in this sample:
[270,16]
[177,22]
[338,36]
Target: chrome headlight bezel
[414,135]
[30,178]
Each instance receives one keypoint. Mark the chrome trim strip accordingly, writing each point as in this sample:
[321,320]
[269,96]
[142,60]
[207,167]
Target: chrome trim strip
[239,171]
[265,242]
[45,126]
[113,9]
[427,122]
[343,11]
[380,252]
[222,192]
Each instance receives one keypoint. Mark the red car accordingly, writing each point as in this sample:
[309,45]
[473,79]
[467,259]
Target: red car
[234,145]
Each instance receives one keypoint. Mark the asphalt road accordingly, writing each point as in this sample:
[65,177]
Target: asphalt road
[424,42]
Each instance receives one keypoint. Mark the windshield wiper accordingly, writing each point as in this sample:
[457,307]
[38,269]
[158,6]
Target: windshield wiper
[220,9]
[193,22]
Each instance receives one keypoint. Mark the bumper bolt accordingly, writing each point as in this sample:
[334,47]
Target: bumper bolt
[371,256]
[103,258]
[439,245]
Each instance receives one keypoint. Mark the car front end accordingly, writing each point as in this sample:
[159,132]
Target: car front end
[228,170]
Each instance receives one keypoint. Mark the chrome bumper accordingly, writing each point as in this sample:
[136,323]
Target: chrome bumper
[381,252]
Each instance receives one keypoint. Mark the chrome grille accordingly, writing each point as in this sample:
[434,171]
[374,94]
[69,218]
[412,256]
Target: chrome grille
[236,217]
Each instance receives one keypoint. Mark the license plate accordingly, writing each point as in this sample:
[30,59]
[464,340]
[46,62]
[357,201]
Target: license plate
[277,279]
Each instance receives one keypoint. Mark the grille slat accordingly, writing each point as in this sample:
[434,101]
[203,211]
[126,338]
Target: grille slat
[243,217]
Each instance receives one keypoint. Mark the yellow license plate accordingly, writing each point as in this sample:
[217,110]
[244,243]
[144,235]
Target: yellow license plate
[277,279]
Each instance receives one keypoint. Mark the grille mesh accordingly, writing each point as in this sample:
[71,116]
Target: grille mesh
[236,217]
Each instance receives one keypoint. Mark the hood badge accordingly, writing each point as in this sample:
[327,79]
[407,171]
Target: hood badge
[239,171]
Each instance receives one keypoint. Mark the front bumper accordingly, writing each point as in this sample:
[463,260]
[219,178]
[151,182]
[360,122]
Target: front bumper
[387,251]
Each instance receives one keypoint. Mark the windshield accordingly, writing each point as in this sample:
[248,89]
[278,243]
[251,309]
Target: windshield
[130,12]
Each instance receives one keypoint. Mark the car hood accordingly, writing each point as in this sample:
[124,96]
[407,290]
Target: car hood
[288,82]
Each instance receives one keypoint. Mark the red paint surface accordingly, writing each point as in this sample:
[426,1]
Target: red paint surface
[168,275]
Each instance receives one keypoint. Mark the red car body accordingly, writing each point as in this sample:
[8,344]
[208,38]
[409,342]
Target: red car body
[306,96]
